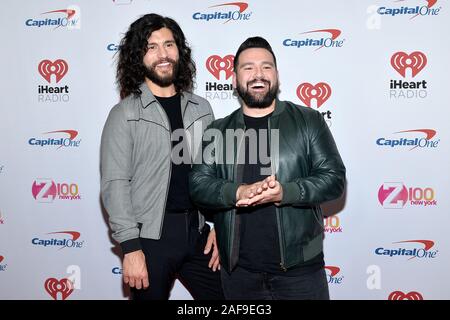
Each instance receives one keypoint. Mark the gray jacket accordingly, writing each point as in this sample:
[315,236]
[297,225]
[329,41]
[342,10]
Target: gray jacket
[136,163]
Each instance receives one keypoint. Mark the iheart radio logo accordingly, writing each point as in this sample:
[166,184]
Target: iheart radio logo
[59,68]
[63,286]
[215,64]
[398,295]
[400,61]
[1,258]
[321,92]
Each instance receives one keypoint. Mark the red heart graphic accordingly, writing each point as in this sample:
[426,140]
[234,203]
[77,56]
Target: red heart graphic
[1,258]
[59,68]
[321,94]
[215,64]
[398,295]
[417,61]
[53,286]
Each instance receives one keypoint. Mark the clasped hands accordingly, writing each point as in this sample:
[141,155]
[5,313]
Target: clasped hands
[265,191]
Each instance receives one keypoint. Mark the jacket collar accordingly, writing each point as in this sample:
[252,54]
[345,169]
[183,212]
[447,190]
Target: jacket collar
[147,97]
[279,108]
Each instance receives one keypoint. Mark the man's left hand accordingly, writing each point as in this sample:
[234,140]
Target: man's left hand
[211,243]
[274,193]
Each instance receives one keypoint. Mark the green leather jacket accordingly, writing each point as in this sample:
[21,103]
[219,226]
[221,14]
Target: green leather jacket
[308,167]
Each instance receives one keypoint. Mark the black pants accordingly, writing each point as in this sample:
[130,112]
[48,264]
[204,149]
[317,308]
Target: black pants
[179,255]
[242,284]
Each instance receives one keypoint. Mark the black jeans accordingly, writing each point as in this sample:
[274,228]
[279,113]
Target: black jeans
[179,255]
[242,284]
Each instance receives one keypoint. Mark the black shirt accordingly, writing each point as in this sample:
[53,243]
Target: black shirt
[259,242]
[178,197]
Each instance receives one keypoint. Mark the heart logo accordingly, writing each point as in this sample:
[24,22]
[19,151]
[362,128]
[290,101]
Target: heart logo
[1,258]
[321,92]
[215,64]
[400,61]
[53,286]
[398,295]
[59,68]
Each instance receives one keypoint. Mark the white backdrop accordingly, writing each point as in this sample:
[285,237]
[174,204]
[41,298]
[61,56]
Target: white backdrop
[387,238]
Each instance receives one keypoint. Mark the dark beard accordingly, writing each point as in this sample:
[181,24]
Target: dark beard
[162,81]
[254,102]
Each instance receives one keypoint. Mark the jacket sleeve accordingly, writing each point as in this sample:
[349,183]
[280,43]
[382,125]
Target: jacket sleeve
[205,189]
[326,180]
[116,175]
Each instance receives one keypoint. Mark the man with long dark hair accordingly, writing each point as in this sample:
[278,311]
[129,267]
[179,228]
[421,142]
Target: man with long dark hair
[145,161]
[269,223]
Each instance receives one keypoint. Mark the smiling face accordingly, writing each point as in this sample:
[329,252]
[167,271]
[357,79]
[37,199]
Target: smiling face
[256,78]
[162,58]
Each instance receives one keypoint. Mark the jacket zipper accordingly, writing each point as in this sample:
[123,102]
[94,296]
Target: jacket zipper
[234,210]
[170,171]
[277,213]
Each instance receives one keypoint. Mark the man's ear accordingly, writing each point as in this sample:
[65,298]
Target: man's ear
[234,79]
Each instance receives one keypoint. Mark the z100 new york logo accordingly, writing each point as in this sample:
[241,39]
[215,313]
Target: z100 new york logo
[395,195]
[47,190]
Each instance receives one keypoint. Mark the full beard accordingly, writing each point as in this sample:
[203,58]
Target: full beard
[257,101]
[163,80]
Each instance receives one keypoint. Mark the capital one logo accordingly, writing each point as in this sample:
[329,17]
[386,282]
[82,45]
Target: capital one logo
[65,239]
[215,64]
[401,61]
[399,295]
[46,190]
[54,286]
[333,274]
[321,92]
[395,195]
[420,249]
[330,40]
[422,141]
[58,68]
[404,10]
[233,11]
[69,18]
[59,142]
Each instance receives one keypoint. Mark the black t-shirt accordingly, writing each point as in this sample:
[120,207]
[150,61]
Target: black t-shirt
[178,197]
[259,241]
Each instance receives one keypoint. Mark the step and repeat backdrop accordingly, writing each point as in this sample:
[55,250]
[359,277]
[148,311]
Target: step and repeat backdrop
[377,70]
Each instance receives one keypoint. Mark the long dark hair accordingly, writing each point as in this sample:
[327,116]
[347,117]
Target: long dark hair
[133,47]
